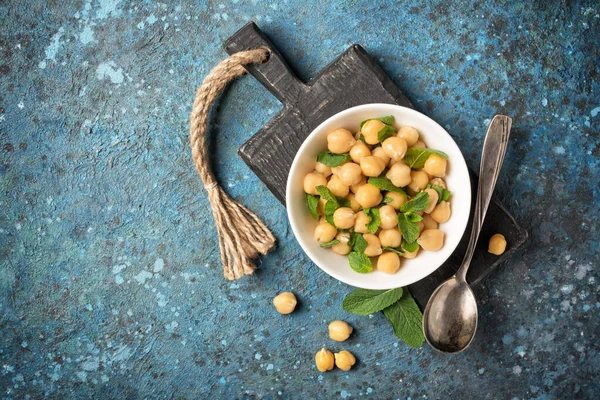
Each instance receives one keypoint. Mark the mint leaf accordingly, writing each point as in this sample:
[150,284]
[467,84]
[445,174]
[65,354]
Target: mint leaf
[329,209]
[417,203]
[357,242]
[375,219]
[329,244]
[406,319]
[362,138]
[389,120]
[312,202]
[331,159]
[409,247]
[385,132]
[415,157]
[359,262]
[396,250]
[438,189]
[445,195]
[326,194]
[412,217]
[384,183]
[387,200]
[365,301]
[409,229]
[343,202]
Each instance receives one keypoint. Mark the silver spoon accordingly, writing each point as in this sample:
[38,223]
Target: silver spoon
[450,318]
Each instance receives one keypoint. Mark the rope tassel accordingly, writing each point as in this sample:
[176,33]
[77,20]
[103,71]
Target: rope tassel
[242,235]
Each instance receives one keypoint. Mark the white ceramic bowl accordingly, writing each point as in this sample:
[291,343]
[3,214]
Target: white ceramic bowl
[411,270]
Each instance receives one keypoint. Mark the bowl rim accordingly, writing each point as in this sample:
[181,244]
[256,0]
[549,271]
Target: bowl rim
[364,283]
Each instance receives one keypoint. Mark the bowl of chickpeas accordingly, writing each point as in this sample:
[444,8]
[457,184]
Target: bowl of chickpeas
[378,196]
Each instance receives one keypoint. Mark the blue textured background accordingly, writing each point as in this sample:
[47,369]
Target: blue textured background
[110,282]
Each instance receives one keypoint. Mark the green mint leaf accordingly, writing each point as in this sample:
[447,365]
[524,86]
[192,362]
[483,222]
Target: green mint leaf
[445,195]
[331,159]
[389,120]
[385,132]
[374,219]
[329,209]
[387,200]
[343,202]
[362,138]
[439,190]
[409,246]
[312,202]
[396,250]
[417,203]
[359,262]
[415,157]
[326,194]
[329,244]
[365,301]
[384,183]
[409,229]
[357,242]
[413,217]
[406,319]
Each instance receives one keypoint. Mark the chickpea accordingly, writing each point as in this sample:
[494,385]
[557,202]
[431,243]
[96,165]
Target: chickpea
[337,188]
[409,134]
[312,180]
[323,169]
[368,195]
[438,182]
[336,170]
[358,151]
[419,180]
[388,216]
[350,174]
[394,147]
[340,141]
[433,199]
[353,203]
[373,245]
[441,213]
[325,232]
[321,206]
[388,262]
[497,244]
[343,218]
[372,166]
[339,330]
[397,199]
[324,360]
[342,247]
[431,239]
[399,175]
[421,226]
[360,222]
[419,144]
[411,255]
[436,165]
[390,237]
[344,360]
[370,130]
[323,220]
[285,302]
[379,153]
[355,187]
[429,222]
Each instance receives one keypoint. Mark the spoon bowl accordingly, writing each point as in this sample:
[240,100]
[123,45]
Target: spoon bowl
[450,318]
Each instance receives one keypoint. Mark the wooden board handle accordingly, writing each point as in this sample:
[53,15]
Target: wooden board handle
[275,74]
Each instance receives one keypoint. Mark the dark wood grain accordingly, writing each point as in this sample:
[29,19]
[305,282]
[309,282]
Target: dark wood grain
[352,79]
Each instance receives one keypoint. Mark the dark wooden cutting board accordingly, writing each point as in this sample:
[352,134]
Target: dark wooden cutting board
[352,79]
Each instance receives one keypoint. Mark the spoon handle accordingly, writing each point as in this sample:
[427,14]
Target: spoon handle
[492,156]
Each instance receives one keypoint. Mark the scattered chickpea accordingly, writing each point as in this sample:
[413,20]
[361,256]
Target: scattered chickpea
[353,203]
[370,130]
[388,262]
[497,244]
[409,134]
[285,302]
[399,175]
[368,195]
[324,360]
[411,255]
[441,213]
[325,232]
[435,166]
[372,166]
[358,151]
[343,218]
[360,222]
[373,245]
[394,147]
[419,144]
[350,174]
[344,360]
[390,237]
[312,180]
[429,222]
[379,153]
[340,141]
[419,180]
[388,216]
[355,187]
[397,199]
[431,239]
[342,247]
[339,330]
[433,199]
[337,187]
[439,182]
[323,169]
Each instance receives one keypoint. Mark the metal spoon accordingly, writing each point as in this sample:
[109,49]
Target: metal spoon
[450,318]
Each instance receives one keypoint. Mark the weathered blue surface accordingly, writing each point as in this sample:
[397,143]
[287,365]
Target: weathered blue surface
[110,283]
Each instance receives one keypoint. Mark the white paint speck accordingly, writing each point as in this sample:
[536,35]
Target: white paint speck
[159,264]
[559,150]
[258,356]
[269,367]
[87,35]
[118,268]
[119,279]
[151,19]
[544,102]
[111,71]
[566,289]
[516,370]
[21,105]
[142,276]
[141,25]
[595,112]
